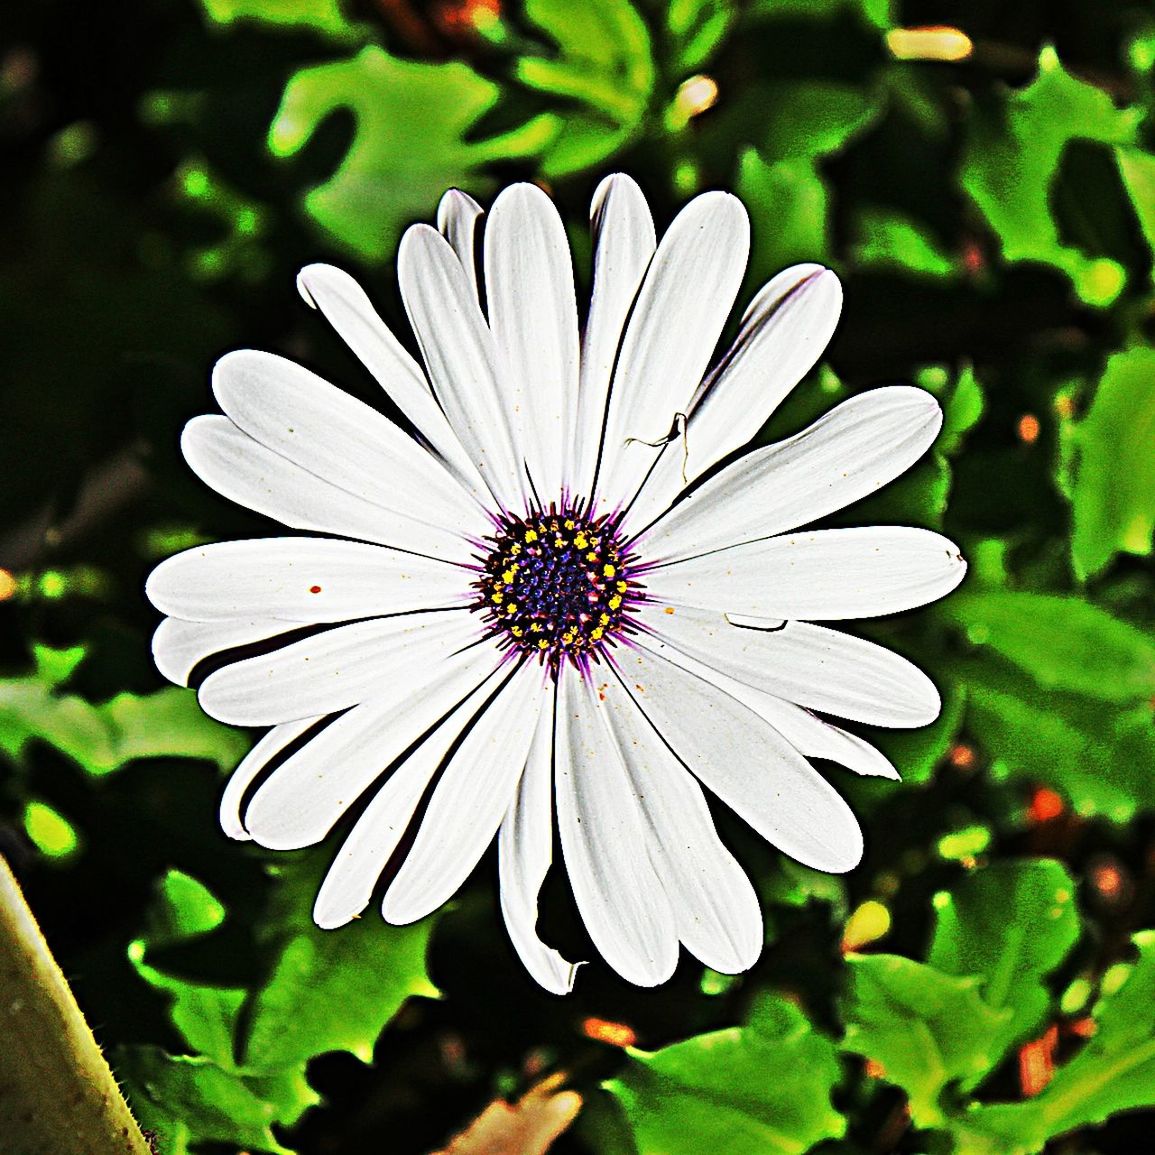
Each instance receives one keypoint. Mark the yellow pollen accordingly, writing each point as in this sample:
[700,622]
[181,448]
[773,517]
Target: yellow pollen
[556,585]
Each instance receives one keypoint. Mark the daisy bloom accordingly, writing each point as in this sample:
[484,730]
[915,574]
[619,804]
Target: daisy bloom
[555,590]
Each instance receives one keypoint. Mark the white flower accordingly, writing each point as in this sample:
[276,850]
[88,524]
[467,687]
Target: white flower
[535,602]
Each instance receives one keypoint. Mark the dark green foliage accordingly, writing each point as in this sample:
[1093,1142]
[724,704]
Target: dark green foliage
[169,167]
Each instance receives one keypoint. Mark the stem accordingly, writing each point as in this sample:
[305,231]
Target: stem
[56,1091]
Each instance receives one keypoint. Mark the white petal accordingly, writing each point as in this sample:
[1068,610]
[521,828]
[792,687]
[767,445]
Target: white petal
[373,841]
[244,471]
[338,668]
[824,575]
[806,732]
[715,906]
[302,417]
[746,762]
[469,800]
[525,852]
[529,289]
[681,308]
[457,217]
[783,333]
[848,454]
[624,243]
[304,798]
[178,647]
[302,579]
[270,745]
[603,840]
[811,665]
[349,311]
[818,739]
[461,359]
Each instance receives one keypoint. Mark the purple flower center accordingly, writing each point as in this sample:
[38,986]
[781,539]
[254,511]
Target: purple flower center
[557,584]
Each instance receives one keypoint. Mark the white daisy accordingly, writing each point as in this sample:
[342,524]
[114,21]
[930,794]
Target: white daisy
[548,598]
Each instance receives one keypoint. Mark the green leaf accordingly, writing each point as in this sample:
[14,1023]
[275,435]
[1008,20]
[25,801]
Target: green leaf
[1064,643]
[329,990]
[1011,163]
[788,204]
[798,124]
[409,145]
[916,753]
[323,15]
[1137,168]
[206,1016]
[891,241]
[812,118]
[1101,760]
[695,29]
[170,724]
[962,410]
[188,1099]
[918,497]
[603,62]
[183,909]
[765,1087]
[30,708]
[53,667]
[875,12]
[102,738]
[1010,924]
[926,1028]
[1115,1071]
[1110,469]
[50,832]
[793,884]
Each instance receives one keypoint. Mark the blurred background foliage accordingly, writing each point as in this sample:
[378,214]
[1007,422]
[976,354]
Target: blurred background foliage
[982,176]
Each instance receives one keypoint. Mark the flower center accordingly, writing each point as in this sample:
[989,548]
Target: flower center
[557,584]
